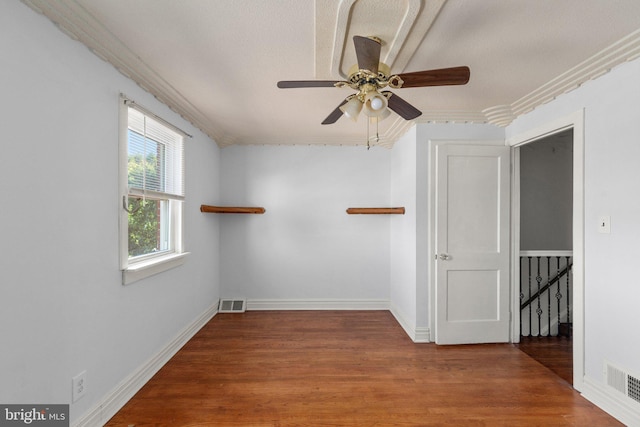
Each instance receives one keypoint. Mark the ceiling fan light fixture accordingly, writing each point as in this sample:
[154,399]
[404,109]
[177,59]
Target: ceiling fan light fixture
[352,108]
[383,115]
[375,104]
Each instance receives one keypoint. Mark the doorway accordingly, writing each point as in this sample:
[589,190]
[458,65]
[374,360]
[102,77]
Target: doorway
[545,253]
[575,123]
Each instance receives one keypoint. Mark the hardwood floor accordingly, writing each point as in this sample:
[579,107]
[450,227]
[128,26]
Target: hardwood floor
[339,368]
[556,353]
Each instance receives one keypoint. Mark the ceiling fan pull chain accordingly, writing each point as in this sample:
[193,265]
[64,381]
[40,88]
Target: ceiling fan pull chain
[368,137]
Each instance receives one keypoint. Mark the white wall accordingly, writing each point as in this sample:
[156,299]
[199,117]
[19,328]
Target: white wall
[426,134]
[63,308]
[403,232]
[305,248]
[612,183]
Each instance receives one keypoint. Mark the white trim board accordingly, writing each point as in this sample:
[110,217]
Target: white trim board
[417,334]
[110,404]
[317,304]
[601,396]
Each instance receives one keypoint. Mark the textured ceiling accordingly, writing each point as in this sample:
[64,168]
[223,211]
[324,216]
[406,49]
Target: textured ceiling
[217,62]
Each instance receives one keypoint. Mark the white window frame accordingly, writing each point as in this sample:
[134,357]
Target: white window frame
[140,267]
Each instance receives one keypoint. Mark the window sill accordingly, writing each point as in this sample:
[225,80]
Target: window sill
[144,269]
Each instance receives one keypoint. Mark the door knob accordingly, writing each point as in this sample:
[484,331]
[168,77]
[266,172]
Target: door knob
[444,257]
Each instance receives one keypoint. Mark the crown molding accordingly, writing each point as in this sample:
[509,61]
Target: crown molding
[624,50]
[500,115]
[326,141]
[80,25]
[452,116]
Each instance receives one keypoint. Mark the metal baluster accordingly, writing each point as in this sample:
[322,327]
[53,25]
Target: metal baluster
[530,321]
[521,296]
[549,296]
[568,296]
[558,293]
[539,310]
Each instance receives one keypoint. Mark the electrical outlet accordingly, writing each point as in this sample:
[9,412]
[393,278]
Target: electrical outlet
[79,386]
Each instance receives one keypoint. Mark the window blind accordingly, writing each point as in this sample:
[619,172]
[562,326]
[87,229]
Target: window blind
[155,157]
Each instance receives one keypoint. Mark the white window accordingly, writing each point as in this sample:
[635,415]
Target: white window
[152,193]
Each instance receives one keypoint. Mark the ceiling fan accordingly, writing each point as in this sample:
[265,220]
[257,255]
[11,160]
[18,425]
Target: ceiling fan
[370,75]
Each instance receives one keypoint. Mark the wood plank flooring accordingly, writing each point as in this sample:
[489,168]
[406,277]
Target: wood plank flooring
[556,353]
[340,368]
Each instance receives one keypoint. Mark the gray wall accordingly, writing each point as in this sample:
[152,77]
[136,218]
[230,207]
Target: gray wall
[546,193]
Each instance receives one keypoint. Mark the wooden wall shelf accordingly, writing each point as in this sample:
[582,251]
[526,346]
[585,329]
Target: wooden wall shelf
[376,211]
[231,209]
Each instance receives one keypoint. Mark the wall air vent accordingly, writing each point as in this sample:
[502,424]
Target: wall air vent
[633,388]
[232,306]
[622,381]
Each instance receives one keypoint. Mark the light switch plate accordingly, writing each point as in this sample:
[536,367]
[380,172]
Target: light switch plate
[604,224]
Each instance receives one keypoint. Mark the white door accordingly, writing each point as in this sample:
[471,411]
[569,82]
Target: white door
[472,244]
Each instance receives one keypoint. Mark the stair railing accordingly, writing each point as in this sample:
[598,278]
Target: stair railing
[542,273]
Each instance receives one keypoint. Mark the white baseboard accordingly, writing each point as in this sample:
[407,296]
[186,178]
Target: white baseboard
[423,335]
[118,397]
[317,304]
[610,402]
[417,334]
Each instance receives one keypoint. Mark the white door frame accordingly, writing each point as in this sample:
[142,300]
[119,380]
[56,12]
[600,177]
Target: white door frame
[573,121]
